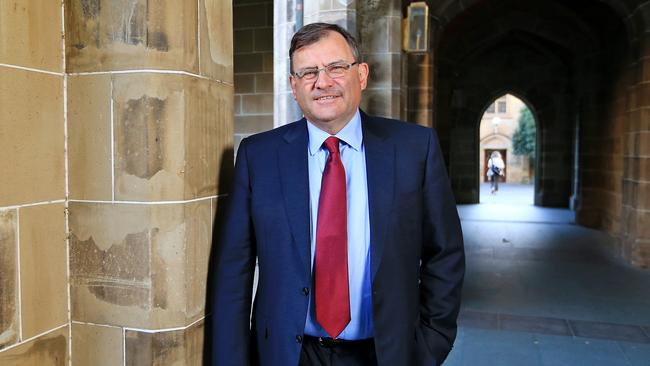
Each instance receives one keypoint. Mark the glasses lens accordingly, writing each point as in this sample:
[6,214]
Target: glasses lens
[309,74]
[337,70]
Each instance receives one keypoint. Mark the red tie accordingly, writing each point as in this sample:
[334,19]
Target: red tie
[331,260]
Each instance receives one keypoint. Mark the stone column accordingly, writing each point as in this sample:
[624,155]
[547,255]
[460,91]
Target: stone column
[380,36]
[636,161]
[34,323]
[285,109]
[420,88]
[150,128]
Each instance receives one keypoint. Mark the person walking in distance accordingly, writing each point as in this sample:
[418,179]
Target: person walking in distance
[495,171]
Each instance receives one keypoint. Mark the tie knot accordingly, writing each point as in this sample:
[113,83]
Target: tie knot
[332,144]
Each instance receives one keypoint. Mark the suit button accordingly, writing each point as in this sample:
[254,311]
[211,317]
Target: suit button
[305,291]
[298,339]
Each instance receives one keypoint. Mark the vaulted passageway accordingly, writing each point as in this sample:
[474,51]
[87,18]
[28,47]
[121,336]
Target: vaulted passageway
[584,67]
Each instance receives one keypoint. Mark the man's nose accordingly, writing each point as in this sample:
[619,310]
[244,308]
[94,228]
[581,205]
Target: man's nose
[323,80]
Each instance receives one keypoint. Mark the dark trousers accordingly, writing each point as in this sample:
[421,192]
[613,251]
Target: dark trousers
[316,352]
[495,182]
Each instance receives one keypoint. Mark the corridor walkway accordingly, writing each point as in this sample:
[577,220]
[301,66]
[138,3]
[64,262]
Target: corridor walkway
[540,290]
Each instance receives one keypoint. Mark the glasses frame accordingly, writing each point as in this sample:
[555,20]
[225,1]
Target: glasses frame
[301,74]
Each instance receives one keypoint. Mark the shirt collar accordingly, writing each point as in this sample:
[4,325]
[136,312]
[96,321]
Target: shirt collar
[351,134]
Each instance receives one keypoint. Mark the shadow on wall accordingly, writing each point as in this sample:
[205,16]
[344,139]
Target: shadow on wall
[225,182]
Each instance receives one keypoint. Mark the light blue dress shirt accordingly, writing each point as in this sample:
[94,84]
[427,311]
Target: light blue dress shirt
[354,160]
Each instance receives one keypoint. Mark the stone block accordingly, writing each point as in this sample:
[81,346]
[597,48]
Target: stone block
[253,124]
[249,62]
[374,36]
[31,137]
[264,39]
[384,70]
[142,266]
[637,168]
[643,95]
[216,36]
[644,70]
[381,102]
[237,105]
[96,345]
[635,223]
[8,284]
[50,349]
[257,104]
[267,63]
[395,34]
[250,16]
[639,120]
[345,18]
[264,83]
[328,5]
[31,34]
[244,83]
[104,35]
[89,137]
[243,40]
[179,347]
[43,268]
[636,194]
[170,134]
[638,143]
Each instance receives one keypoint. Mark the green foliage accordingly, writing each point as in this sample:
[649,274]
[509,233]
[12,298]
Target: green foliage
[523,141]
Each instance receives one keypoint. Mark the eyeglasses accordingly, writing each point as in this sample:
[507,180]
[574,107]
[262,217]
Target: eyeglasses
[334,71]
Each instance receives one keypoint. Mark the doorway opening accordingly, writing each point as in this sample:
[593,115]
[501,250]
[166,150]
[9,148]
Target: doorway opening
[507,146]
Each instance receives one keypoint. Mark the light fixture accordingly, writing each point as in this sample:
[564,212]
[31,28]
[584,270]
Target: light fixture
[416,28]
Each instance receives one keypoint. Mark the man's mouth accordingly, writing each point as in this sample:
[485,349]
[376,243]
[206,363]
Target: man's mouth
[326,97]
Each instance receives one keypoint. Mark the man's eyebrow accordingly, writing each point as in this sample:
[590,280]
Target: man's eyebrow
[336,62]
[331,63]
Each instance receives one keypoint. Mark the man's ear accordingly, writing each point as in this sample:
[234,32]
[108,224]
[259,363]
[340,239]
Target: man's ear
[364,71]
[292,82]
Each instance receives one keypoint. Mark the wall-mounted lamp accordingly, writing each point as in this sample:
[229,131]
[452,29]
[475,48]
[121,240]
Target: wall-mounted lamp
[416,28]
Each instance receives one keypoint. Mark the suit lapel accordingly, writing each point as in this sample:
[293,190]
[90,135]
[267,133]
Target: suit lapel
[292,158]
[380,170]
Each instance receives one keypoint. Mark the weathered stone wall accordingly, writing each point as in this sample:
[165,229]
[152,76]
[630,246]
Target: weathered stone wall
[380,35]
[615,145]
[253,47]
[34,323]
[114,139]
[636,155]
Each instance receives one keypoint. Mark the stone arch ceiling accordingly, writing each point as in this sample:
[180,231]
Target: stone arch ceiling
[539,34]
[447,10]
[568,31]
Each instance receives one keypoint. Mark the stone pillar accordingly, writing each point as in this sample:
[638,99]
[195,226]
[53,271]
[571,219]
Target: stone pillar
[380,36]
[285,109]
[341,12]
[150,128]
[420,88]
[34,323]
[636,161]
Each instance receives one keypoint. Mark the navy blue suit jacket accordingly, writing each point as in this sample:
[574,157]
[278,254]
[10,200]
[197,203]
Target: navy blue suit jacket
[417,258]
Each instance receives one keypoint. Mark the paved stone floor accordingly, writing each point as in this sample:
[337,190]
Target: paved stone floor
[542,291]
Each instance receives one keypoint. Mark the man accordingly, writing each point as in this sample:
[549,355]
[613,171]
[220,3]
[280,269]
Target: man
[353,224]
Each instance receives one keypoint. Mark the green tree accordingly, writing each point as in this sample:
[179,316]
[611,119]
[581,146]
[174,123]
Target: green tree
[523,141]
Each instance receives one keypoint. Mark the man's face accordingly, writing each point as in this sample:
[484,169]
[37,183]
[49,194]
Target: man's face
[328,102]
